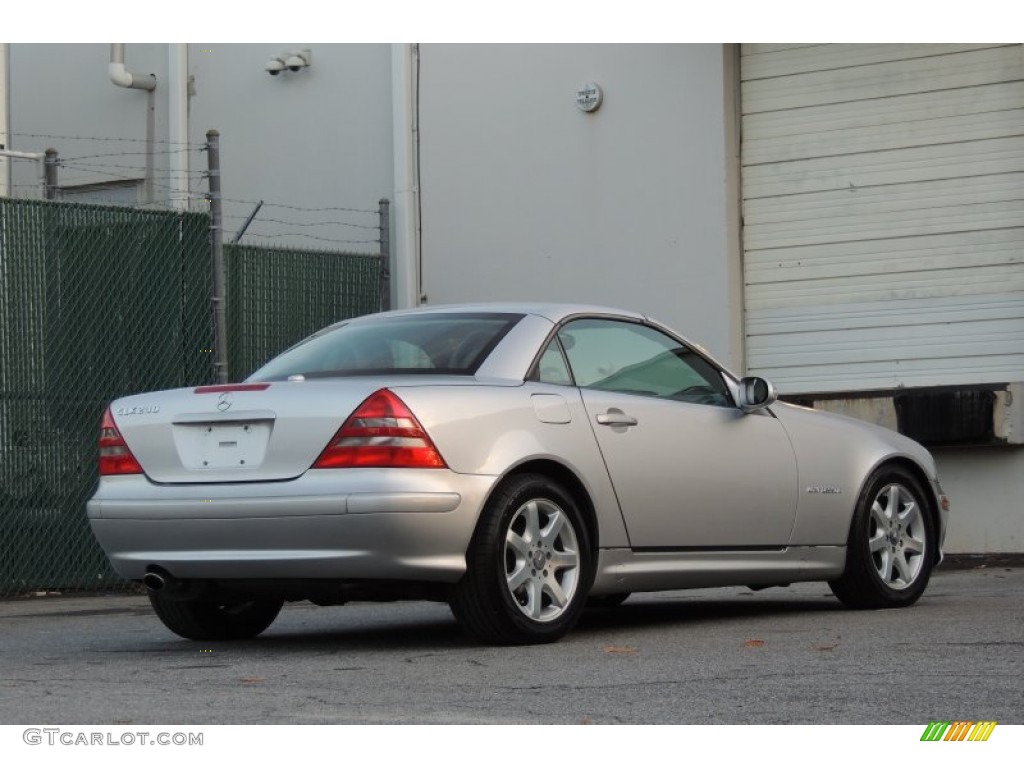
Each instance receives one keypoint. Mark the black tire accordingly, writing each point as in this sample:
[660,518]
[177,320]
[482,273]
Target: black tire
[607,601]
[516,574]
[196,620]
[891,546]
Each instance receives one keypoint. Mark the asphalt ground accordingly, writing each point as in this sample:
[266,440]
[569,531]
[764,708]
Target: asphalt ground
[732,656]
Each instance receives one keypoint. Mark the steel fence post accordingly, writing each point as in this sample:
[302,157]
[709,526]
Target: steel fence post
[50,174]
[217,254]
[384,211]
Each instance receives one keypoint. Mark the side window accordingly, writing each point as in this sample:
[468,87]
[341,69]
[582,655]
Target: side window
[628,357]
[551,368]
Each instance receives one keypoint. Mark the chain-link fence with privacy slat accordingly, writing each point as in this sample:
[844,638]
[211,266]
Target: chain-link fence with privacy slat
[278,296]
[97,302]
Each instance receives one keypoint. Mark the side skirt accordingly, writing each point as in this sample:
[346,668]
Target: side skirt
[625,570]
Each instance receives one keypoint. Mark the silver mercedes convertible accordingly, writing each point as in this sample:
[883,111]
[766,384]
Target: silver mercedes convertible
[519,462]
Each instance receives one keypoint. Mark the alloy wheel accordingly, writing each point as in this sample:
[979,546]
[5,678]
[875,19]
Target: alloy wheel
[542,560]
[897,536]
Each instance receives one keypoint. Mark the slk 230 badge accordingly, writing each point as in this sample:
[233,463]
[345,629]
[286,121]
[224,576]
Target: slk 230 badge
[138,410]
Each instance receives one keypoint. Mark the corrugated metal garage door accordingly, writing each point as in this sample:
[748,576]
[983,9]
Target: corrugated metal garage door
[883,205]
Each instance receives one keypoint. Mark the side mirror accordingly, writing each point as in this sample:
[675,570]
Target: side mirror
[754,393]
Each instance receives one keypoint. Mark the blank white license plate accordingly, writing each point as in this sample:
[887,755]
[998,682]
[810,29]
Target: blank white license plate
[223,446]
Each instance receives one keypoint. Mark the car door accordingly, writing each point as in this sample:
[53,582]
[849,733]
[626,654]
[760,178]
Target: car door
[689,468]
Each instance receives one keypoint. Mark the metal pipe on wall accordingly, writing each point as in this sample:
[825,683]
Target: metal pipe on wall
[5,164]
[178,128]
[120,76]
[405,213]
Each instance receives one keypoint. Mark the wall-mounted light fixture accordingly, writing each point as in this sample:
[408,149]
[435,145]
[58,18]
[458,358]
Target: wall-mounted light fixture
[293,61]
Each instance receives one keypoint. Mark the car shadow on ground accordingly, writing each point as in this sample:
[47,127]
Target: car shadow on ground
[685,611]
[439,631]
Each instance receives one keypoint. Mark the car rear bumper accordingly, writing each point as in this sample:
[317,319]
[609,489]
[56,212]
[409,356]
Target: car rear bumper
[327,524]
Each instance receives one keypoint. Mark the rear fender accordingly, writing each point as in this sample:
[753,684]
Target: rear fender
[497,430]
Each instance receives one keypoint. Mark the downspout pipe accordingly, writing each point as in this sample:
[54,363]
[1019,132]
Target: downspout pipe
[404,212]
[5,166]
[119,74]
[178,127]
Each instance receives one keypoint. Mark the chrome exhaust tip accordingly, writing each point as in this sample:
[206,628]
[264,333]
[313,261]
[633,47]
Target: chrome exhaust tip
[154,581]
[157,581]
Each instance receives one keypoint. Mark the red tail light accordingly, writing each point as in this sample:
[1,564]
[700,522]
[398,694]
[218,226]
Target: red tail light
[115,458]
[382,432]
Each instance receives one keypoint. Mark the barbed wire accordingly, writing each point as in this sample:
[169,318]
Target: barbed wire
[97,168]
[176,190]
[299,208]
[128,154]
[311,237]
[266,220]
[139,180]
[195,175]
[85,176]
[94,169]
[111,172]
[160,205]
[105,138]
[74,163]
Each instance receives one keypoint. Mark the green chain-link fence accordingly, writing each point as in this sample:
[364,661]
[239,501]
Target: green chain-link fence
[97,302]
[278,296]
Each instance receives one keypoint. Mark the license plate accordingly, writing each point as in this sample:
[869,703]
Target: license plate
[237,445]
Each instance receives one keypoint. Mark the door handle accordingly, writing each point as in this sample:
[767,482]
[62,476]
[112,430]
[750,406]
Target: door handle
[616,418]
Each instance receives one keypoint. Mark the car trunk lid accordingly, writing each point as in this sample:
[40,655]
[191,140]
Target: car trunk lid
[237,433]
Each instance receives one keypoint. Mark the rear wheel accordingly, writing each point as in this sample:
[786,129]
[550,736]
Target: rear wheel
[891,546]
[528,568]
[215,621]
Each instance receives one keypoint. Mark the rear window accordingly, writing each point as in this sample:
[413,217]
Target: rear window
[452,344]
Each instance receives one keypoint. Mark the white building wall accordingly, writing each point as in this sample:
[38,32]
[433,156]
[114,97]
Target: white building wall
[525,197]
[986,491]
[61,97]
[311,140]
[318,138]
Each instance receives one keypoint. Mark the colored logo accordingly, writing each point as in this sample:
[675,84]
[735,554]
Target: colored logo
[958,730]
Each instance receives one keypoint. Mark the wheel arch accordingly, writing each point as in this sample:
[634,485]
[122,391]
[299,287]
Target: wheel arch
[489,607]
[565,477]
[918,473]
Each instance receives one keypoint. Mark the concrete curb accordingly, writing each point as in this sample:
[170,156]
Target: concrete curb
[964,562]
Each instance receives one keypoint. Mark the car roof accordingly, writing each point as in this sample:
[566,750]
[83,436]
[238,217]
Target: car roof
[555,312]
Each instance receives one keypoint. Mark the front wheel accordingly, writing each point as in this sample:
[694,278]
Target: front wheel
[197,620]
[528,568]
[891,546]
